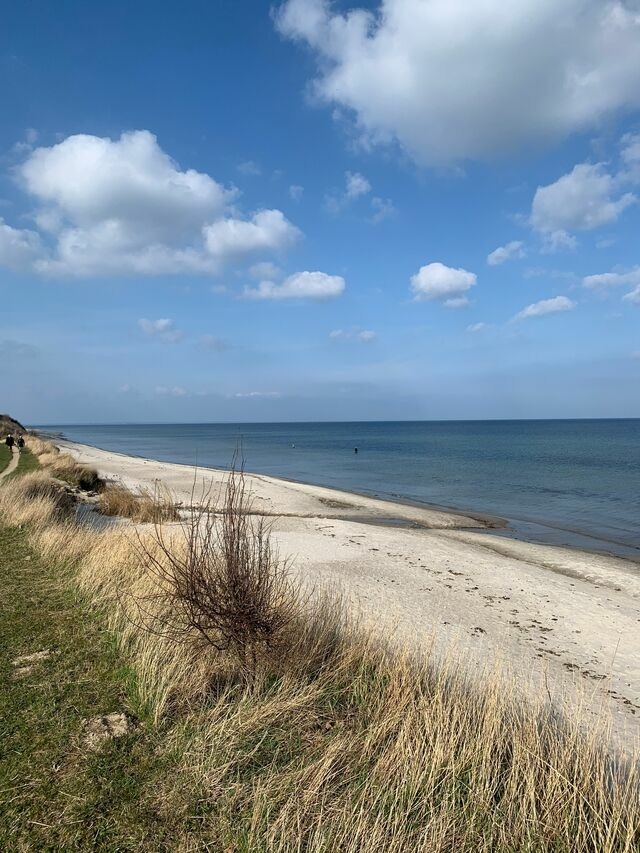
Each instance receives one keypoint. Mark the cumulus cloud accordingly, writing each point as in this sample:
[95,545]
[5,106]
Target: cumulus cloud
[360,336]
[437,281]
[164,329]
[476,327]
[268,230]
[300,285]
[123,206]
[514,249]
[546,306]
[633,295]
[585,198]
[450,80]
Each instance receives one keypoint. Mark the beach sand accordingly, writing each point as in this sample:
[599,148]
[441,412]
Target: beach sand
[562,618]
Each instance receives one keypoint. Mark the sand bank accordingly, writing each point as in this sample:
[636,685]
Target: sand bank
[550,614]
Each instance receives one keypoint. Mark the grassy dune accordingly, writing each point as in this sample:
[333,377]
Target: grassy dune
[319,739]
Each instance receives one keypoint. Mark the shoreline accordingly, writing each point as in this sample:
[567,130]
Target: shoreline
[550,615]
[533,532]
[486,521]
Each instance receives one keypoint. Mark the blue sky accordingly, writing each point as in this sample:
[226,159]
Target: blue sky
[319,211]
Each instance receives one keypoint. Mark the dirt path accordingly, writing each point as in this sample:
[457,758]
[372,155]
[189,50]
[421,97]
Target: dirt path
[11,467]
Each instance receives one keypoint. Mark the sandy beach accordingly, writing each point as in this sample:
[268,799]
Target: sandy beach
[552,615]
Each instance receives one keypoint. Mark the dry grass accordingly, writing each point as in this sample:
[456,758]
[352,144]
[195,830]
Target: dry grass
[141,506]
[340,744]
[64,466]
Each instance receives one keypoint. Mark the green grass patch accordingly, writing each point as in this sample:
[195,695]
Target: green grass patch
[5,456]
[26,463]
[56,792]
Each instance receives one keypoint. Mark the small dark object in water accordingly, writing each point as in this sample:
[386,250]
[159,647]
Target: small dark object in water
[355,449]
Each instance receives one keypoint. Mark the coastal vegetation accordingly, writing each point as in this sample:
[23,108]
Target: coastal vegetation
[5,456]
[170,687]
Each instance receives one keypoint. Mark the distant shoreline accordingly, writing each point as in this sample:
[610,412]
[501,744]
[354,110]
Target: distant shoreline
[510,526]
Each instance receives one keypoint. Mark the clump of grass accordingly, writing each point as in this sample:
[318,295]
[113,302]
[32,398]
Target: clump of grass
[338,741]
[141,506]
[64,466]
[34,499]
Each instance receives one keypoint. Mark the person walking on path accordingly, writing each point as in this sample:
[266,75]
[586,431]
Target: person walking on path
[9,441]
[20,443]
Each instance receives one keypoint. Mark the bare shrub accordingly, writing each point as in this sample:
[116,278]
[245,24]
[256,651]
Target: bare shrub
[226,584]
[141,506]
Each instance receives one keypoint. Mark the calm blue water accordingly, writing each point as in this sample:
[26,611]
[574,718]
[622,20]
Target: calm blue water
[546,477]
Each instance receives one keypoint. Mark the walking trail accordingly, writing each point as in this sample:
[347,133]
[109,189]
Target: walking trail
[15,458]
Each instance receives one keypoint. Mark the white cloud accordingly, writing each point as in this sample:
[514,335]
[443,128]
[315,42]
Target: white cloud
[296,192]
[456,302]
[604,281]
[361,336]
[634,295]
[514,249]
[123,207]
[130,182]
[450,79]
[19,247]
[268,230]
[557,241]
[437,281]
[581,200]
[546,306]
[356,185]
[476,327]
[164,329]
[300,285]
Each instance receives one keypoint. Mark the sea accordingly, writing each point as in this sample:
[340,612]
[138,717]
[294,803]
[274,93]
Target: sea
[570,482]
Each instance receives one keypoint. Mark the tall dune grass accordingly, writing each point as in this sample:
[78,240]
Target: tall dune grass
[339,742]
[141,506]
[64,466]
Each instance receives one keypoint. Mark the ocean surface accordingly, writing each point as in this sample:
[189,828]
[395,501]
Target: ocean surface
[573,482]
